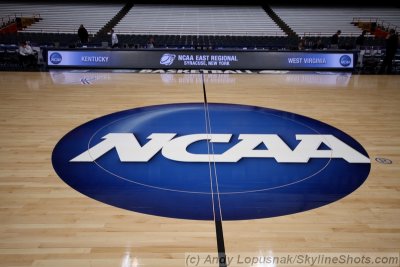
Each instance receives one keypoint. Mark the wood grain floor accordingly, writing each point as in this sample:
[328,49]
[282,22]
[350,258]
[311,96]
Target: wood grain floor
[44,222]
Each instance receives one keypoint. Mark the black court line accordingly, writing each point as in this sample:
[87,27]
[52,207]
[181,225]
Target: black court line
[214,182]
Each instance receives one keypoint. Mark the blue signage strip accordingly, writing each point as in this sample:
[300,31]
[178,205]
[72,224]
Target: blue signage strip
[182,59]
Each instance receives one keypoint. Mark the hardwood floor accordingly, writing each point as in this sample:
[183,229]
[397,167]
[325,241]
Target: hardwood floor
[44,222]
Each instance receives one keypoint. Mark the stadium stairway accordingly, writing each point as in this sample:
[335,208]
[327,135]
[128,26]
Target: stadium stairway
[114,21]
[279,21]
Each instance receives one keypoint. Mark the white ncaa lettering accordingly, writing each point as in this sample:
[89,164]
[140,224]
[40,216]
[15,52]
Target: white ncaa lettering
[176,149]
[129,149]
[127,146]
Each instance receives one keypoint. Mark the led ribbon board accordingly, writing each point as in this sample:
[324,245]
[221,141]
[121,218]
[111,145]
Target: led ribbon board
[206,60]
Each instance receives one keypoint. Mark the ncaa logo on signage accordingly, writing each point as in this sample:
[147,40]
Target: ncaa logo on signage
[156,160]
[55,58]
[345,60]
[167,59]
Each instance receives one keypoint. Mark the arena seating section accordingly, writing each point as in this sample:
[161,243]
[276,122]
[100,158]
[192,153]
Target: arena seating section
[190,26]
[64,18]
[322,21]
[198,20]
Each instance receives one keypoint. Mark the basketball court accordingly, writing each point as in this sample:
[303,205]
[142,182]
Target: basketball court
[45,222]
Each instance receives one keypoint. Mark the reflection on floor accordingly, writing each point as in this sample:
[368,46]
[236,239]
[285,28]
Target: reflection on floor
[321,78]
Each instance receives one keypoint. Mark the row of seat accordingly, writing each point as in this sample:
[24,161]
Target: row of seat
[187,41]
[195,20]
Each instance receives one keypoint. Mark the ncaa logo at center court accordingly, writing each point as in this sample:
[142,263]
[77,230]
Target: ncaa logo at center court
[169,161]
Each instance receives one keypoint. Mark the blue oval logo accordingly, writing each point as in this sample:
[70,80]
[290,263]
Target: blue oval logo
[345,60]
[55,58]
[170,161]
[167,59]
